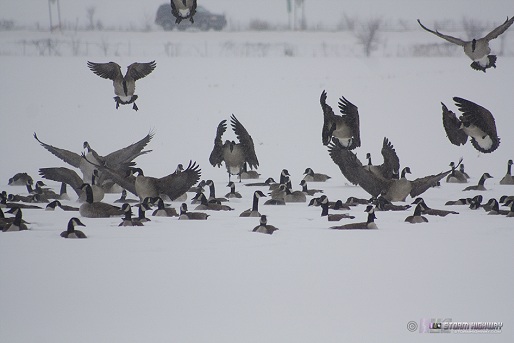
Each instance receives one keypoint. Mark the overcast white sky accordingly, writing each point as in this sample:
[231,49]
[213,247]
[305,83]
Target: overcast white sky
[127,12]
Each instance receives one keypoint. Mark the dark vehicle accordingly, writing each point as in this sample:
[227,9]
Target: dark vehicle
[204,20]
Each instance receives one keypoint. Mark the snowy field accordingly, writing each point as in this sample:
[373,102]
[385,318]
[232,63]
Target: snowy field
[215,280]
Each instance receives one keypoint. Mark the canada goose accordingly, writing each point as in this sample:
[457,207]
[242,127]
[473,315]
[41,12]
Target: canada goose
[163,211]
[233,193]
[391,189]
[294,196]
[123,198]
[311,176]
[476,202]
[477,49]
[91,209]
[462,201]
[4,222]
[71,232]
[382,204]
[417,217]
[480,186]
[323,201]
[461,169]
[254,211]
[511,210]
[456,176]
[18,223]
[19,179]
[488,206]
[206,205]
[495,209]
[430,211]
[353,201]
[212,192]
[57,204]
[11,204]
[124,86]
[198,188]
[505,198]
[69,177]
[267,183]
[333,205]
[235,155]
[285,179]
[475,122]
[344,127]
[508,179]
[127,219]
[120,159]
[368,225]
[279,193]
[391,166]
[143,207]
[185,215]
[307,191]
[172,185]
[183,9]
[249,174]
[264,227]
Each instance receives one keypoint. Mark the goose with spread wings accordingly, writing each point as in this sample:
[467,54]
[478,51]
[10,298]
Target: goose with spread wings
[390,167]
[477,49]
[124,85]
[475,122]
[235,155]
[391,189]
[183,9]
[344,127]
[120,159]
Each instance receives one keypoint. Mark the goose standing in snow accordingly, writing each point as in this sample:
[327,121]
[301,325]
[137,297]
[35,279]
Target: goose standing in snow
[477,49]
[475,122]
[124,85]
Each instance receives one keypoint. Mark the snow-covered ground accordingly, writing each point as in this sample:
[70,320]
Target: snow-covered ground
[215,281]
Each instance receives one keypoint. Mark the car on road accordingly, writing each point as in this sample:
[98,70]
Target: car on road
[203,19]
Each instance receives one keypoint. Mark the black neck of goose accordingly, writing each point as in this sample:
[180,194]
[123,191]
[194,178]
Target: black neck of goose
[128,214]
[304,187]
[417,210]
[160,205]
[255,206]
[369,161]
[63,189]
[141,214]
[496,206]
[283,178]
[212,190]
[89,194]
[203,200]
[404,171]
[371,217]
[2,216]
[29,188]
[17,218]
[182,210]
[71,228]
[509,169]
[481,181]
[324,209]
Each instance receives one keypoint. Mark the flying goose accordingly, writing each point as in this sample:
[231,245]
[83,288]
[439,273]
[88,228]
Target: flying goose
[480,186]
[120,159]
[456,176]
[391,166]
[254,211]
[235,155]
[391,189]
[417,217]
[163,211]
[57,204]
[344,127]
[71,232]
[183,9]
[92,209]
[185,215]
[430,211]
[17,224]
[172,185]
[127,220]
[264,227]
[311,176]
[124,86]
[332,217]
[475,122]
[477,49]
[508,179]
[19,179]
[233,193]
[367,225]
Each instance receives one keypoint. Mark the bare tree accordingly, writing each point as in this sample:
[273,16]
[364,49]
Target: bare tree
[90,14]
[367,35]
[473,28]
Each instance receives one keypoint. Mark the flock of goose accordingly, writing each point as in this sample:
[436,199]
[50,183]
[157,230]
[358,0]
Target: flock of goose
[385,183]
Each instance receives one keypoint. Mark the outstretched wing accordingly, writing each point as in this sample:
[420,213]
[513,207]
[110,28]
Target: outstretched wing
[391,163]
[351,114]
[246,142]
[450,39]
[62,174]
[421,184]
[137,70]
[177,183]
[500,29]
[353,170]
[120,159]
[65,155]
[110,71]
[452,125]
[216,156]
[328,119]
